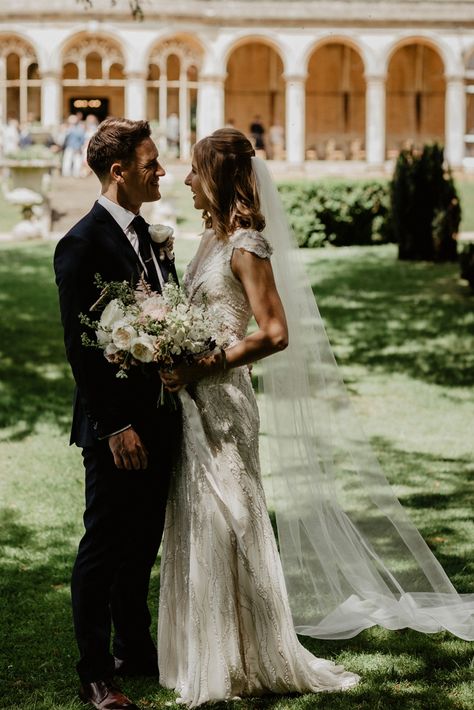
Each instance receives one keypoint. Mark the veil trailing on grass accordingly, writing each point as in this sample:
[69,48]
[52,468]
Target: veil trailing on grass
[351,556]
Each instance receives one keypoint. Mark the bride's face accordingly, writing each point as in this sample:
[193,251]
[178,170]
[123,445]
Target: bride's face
[194,182]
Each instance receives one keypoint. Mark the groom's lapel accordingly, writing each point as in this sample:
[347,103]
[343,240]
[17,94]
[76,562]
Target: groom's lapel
[121,242]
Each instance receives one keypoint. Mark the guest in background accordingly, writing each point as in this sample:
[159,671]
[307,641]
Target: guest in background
[276,140]
[73,144]
[257,132]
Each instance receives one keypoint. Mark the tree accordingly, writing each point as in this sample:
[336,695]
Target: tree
[426,212]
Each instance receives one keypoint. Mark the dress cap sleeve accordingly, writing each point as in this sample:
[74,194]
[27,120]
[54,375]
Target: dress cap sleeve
[252,241]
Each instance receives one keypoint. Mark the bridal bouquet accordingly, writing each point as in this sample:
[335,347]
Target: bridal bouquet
[139,326]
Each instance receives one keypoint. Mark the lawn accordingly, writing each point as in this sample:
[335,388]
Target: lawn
[404,336]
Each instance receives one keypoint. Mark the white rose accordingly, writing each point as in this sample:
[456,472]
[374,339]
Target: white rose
[111,314]
[160,233]
[142,348]
[122,335]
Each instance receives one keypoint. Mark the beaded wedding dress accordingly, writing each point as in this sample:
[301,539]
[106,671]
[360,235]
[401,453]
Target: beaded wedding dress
[225,627]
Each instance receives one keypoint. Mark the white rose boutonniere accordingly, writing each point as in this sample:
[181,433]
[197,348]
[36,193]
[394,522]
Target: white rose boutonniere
[163,235]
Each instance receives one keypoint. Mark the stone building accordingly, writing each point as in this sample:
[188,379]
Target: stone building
[333,79]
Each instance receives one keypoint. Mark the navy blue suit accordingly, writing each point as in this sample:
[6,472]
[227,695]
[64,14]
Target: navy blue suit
[124,514]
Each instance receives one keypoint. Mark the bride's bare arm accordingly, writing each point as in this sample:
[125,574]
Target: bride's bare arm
[256,276]
[257,279]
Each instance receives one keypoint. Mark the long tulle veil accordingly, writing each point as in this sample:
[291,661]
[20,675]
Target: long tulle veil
[351,556]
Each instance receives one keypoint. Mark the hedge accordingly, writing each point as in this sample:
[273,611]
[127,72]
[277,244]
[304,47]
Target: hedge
[338,213]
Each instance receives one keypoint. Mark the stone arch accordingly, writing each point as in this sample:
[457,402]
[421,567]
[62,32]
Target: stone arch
[415,94]
[93,75]
[173,67]
[255,87]
[20,79]
[335,101]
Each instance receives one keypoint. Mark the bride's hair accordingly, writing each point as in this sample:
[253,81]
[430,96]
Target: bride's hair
[223,162]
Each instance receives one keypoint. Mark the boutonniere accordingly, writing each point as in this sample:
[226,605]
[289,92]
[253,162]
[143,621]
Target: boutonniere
[163,236]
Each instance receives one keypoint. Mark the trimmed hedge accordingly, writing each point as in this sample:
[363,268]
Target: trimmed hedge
[338,213]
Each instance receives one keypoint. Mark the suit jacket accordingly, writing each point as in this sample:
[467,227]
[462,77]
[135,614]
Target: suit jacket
[103,403]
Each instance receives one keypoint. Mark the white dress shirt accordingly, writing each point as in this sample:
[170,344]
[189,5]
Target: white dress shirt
[124,219]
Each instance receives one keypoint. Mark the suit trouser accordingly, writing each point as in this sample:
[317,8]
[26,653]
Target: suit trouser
[123,521]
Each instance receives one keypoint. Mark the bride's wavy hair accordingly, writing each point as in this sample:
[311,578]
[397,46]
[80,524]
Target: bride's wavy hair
[223,162]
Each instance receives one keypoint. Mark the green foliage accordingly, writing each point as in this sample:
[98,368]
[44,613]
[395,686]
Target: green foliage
[341,213]
[425,206]
[33,152]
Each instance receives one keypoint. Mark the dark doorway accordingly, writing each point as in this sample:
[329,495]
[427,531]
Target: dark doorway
[97,106]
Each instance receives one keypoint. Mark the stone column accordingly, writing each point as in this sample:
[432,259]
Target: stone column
[210,104]
[455,120]
[184,119]
[295,119]
[51,93]
[135,96]
[375,121]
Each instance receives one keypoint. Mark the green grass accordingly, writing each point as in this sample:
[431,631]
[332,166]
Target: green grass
[404,336]
[466,193]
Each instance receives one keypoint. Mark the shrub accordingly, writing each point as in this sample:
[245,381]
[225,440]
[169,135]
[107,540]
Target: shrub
[340,213]
[466,262]
[425,206]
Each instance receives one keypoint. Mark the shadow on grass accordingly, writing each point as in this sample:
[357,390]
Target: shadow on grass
[412,318]
[438,495]
[37,650]
[36,382]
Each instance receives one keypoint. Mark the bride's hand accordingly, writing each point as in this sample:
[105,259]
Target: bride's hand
[184,374]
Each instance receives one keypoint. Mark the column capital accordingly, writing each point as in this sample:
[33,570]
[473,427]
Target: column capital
[141,75]
[295,78]
[55,74]
[454,78]
[376,77]
[212,78]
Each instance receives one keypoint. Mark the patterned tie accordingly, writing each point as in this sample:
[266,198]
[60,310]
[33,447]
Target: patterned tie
[144,247]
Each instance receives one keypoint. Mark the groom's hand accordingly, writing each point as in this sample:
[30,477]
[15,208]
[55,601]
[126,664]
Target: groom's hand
[128,450]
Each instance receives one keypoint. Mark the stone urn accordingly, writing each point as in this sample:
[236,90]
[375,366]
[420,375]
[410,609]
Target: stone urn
[31,169]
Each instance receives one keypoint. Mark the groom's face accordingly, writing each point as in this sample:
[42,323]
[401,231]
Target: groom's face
[141,177]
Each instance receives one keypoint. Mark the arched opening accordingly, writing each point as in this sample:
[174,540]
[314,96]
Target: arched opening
[20,82]
[255,96]
[172,89]
[93,78]
[335,104]
[415,98]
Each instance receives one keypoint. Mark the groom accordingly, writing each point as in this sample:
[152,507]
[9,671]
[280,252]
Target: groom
[127,442]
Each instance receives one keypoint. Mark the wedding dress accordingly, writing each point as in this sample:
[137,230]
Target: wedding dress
[225,628]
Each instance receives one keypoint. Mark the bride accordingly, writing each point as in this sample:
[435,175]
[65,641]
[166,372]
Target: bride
[350,557]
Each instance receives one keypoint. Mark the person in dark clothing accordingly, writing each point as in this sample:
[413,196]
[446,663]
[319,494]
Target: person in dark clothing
[128,443]
[257,132]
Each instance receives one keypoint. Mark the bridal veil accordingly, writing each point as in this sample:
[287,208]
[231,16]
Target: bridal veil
[351,556]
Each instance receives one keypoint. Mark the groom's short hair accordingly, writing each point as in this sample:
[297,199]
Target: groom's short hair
[115,140]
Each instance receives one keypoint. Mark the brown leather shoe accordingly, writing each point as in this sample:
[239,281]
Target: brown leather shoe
[104,695]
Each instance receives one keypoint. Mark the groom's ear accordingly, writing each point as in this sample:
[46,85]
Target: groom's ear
[116,172]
